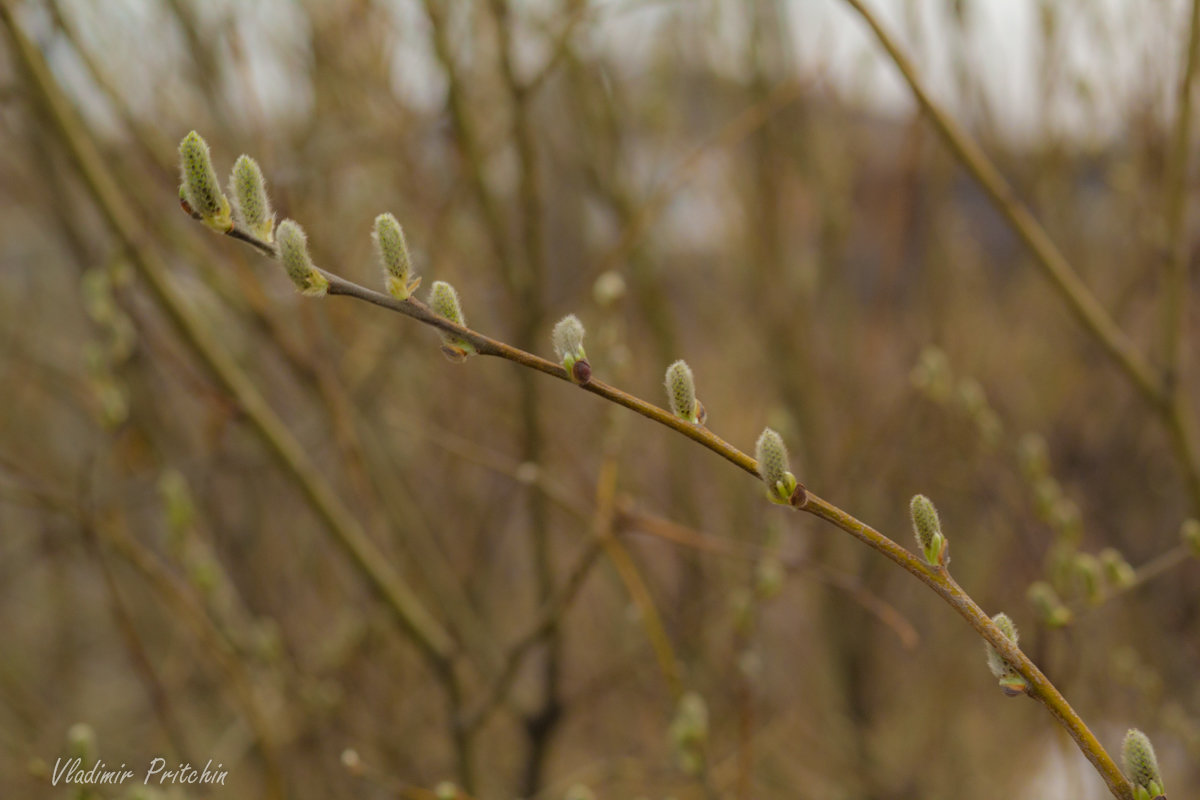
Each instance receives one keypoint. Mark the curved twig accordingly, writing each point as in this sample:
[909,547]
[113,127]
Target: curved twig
[937,579]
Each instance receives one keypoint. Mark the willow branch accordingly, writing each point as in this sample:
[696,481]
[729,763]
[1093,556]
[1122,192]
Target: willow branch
[939,580]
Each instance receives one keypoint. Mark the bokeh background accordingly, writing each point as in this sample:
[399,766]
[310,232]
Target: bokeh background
[744,184]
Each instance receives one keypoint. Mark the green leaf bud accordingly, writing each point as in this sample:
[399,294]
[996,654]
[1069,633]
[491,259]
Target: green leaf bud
[177,500]
[972,397]
[1090,576]
[1141,765]
[201,190]
[689,732]
[81,741]
[1189,532]
[991,429]
[1117,570]
[444,302]
[769,576]
[608,288]
[1033,456]
[932,375]
[1067,520]
[772,458]
[293,253]
[1050,610]
[681,391]
[928,530]
[579,791]
[352,761]
[1011,681]
[393,256]
[741,609]
[251,205]
[567,337]
[691,721]
[1046,496]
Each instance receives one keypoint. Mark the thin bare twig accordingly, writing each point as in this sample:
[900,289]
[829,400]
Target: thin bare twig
[222,652]
[1079,298]
[1159,565]
[1175,297]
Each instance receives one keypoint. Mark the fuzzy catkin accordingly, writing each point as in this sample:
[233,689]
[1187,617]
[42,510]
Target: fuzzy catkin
[567,338]
[996,662]
[681,390]
[293,253]
[392,250]
[443,299]
[772,457]
[250,201]
[1141,765]
[927,528]
[926,524]
[200,187]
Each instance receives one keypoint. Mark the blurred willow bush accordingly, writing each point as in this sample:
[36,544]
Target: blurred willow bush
[692,179]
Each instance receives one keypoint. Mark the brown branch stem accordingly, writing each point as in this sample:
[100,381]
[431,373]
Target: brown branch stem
[938,580]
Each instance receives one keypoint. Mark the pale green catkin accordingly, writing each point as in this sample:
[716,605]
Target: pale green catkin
[1141,765]
[81,741]
[443,299]
[444,302]
[689,732]
[1117,570]
[1046,603]
[773,467]
[250,202]
[681,391]
[1090,576]
[1010,680]
[927,528]
[200,186]
[392,250]
[293,253]
[567,338]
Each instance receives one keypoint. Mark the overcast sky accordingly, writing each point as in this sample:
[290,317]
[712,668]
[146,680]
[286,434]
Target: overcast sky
[1116,53]
[1113,52]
